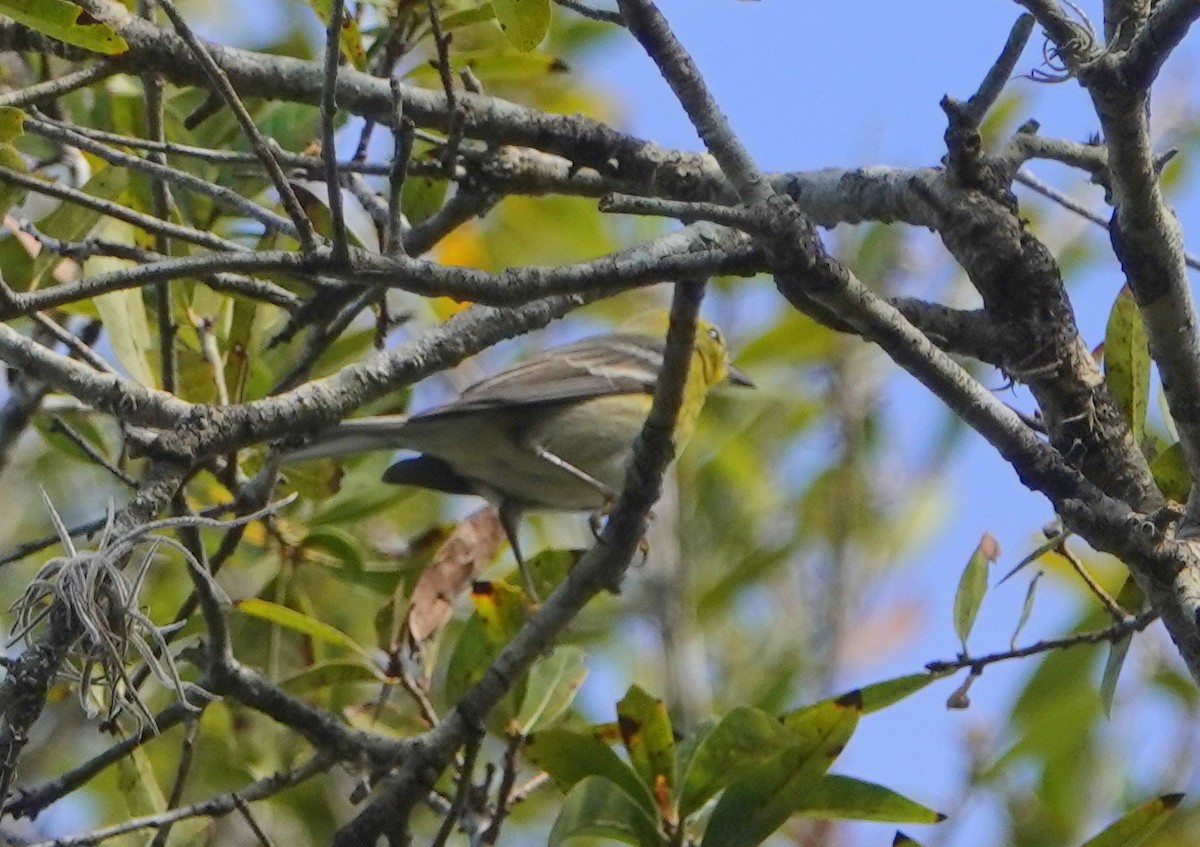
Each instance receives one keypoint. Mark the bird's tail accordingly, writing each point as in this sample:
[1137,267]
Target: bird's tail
[357,435]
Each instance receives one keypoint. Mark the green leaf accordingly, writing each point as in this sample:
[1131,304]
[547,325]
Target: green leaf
[1027,608]
[972,586]
[553,683]
[330,675]
[125,321]
[548,568]
[457,20]
[337,544]
[844,797]
[524,22]
[598,808]
[649,739]
[139,785]
[10,195]
[570,756]
[1171,473]
[741,741]
[754,807]
[302,623]
[472,653]
[1127,362]
[882,694]
[12,123]
[1138,825]
[66,22]
[1117,651]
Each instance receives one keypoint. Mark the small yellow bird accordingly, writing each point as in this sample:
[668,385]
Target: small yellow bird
[555,432]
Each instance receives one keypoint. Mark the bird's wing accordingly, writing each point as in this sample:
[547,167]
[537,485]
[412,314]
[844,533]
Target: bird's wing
[619,363]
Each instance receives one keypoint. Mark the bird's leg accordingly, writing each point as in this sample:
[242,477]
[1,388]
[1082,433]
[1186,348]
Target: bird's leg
[510,520]
[610,496]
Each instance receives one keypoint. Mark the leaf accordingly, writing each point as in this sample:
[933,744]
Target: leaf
[1127,362]
[502,608]
[472,545]
[332,544]
[547,569]
[331,674]
[881,694]
[125,321]
[67,22]
[524,22]
[1117,651]
[299,622]
[1027,609]
[754,807]
[741,741]
[569,756]
[1171,473]
[10,195]
[597,807]
[972,586]
[902,840]
[650,741]
[844,797]
[553,683]
[12,123]
[1138,825]
[139,786]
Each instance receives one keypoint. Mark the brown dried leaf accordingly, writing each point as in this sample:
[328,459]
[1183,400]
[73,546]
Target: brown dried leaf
[469,549]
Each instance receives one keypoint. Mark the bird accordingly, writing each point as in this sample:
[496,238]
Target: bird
[553,433]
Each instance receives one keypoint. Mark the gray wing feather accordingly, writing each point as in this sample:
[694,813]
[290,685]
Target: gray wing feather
[619,363]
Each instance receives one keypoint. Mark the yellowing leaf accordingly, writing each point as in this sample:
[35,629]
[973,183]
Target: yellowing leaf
[67,22]
[524,22]
[12,123]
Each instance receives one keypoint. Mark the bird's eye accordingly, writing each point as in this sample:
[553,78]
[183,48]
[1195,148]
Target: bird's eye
[714,333]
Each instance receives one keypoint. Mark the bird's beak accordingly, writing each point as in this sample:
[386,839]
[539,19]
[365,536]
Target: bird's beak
[738,377]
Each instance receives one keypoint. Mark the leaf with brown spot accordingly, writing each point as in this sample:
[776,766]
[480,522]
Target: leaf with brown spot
[648,737]
[1135,827]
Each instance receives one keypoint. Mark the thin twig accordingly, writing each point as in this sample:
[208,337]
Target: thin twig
[214,807]
[164,308]
[248,815]
[1110,605]
[1109,634]
[88,449]
[1027,179]
[333,53]
[466,777]
[227,197]
[52,88]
